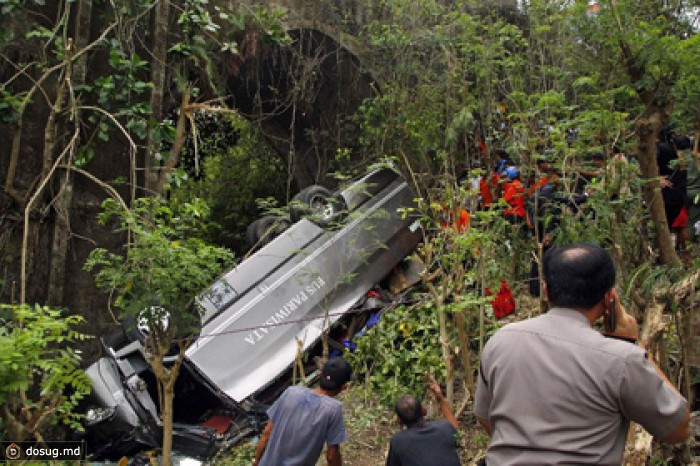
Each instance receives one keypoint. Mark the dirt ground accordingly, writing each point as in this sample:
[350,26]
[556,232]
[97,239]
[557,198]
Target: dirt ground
[369,427]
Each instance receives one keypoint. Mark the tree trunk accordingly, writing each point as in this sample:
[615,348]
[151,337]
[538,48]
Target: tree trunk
[180,139]
[639,441]
[166,394]
[465,349]
[638,448]
[157,349]
[647,130]
[14,158]
[158,70]
[446,352]
[64,199]
[298,170]
[168,397]
[49,165]
[59,244]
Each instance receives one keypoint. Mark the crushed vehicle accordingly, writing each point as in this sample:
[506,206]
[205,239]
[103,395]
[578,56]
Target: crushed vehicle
[307,275]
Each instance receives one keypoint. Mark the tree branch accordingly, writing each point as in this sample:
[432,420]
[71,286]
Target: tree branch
[17,134]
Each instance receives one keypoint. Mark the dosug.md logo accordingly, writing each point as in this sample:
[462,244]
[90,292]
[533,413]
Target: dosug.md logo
[13,452]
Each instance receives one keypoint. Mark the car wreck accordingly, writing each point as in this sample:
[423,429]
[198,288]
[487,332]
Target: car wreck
[307,275]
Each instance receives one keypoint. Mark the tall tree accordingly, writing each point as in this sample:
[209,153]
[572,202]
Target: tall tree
[64,198]
[154,283]
[159,66]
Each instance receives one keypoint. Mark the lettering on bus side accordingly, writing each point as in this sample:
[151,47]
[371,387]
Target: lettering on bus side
[287,310]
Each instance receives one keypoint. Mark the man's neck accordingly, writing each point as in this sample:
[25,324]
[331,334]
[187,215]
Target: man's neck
[418,423]
[592,314]
[323,392]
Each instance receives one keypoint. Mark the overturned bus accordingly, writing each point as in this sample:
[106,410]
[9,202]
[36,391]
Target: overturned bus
[305,277]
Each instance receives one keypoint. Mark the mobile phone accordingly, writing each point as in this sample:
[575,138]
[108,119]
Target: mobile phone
[609,320]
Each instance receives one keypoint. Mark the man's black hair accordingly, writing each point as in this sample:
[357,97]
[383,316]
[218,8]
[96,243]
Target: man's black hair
[409,410]
[502,154]
[682,142]
[578,275]
[666,134]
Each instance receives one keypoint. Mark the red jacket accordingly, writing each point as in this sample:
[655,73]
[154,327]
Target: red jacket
[504,303]
[514,195]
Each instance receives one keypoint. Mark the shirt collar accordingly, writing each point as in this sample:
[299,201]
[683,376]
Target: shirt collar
[571,314]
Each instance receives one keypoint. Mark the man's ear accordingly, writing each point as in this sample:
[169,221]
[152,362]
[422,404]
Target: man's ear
[606,299]
[605,304]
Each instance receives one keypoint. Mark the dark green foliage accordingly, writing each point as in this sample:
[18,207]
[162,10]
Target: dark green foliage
[166,264]
[9,6]
[124,93]
[216,133]
[10,104]
[233,178]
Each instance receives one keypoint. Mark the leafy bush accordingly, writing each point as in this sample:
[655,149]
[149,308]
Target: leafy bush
[397,353]
[166,265]
[40,377]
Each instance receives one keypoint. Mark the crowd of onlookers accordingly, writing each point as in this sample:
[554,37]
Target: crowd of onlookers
[538,199]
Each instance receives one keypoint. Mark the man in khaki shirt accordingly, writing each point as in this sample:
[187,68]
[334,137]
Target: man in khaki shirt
[553,390]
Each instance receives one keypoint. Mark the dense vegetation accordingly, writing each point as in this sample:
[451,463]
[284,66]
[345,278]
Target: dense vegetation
[194,119]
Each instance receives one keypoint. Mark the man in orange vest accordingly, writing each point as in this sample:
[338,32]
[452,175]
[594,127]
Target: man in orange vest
[514,195]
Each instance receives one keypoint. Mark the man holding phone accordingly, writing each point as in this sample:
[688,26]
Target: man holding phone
[553,390]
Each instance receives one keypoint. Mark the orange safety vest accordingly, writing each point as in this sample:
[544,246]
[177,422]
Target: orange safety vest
[514,195]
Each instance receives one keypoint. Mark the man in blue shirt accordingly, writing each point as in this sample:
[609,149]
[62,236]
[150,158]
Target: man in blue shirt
[303,420]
